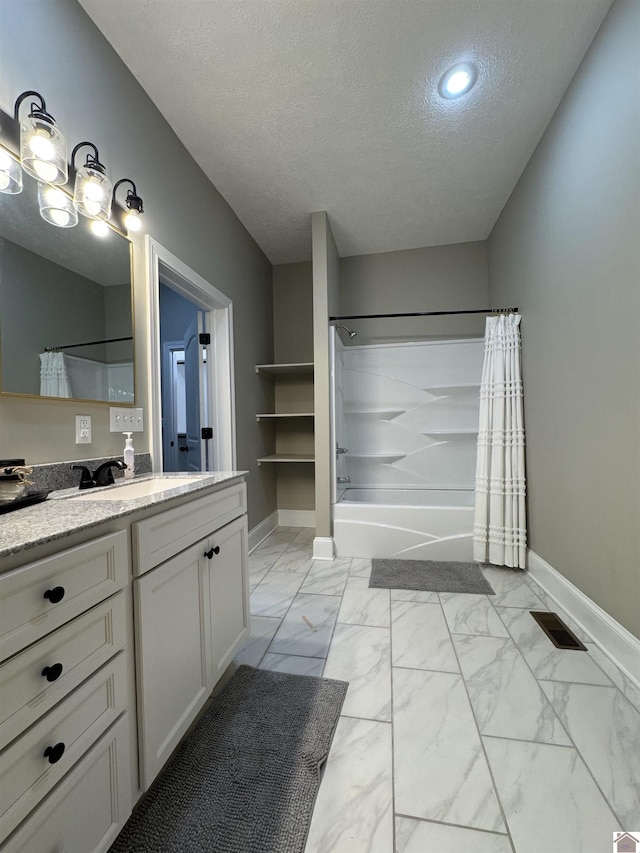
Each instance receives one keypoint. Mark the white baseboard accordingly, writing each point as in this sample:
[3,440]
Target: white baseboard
[323,548]
[260,532]
[614,639]
[297,518]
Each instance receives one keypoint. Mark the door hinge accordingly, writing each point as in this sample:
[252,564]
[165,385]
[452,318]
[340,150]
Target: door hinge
[204,338]
[207,432]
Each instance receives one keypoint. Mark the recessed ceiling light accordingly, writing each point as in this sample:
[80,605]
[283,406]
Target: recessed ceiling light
[458,80]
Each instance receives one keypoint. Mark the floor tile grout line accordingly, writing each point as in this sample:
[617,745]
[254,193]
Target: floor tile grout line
[393,739]
[456,825]
[482,746]
[336,622]
[565,729]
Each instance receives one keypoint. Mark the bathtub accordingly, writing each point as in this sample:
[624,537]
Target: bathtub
[418,524]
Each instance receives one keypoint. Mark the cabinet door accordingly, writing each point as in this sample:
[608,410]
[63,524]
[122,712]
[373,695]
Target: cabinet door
[228,593]
[172,653]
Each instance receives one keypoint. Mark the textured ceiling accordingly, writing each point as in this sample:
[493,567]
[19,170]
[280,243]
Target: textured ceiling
[294,106]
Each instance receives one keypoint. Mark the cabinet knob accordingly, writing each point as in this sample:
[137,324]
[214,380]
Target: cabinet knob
[55,595]
[53,672]
[209,554]
[54,753]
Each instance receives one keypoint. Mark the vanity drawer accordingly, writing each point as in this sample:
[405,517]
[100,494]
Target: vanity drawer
[98,789]
[84,576]
[159,538]
[79,648]
[76,723]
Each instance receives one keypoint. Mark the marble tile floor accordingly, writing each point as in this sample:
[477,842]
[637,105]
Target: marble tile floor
[464,729]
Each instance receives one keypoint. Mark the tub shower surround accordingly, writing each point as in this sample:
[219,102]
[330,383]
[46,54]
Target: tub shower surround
[408,416]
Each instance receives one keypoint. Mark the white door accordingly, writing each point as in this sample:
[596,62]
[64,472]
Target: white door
[194,378]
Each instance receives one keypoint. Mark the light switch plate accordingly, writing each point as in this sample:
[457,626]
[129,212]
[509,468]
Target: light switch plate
[83,429]
[125,420]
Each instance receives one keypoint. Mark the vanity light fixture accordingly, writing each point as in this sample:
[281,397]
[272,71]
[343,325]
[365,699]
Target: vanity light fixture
[92,188]
[43,150]
[10,174]
[457,80]
[133,203]
[56,207]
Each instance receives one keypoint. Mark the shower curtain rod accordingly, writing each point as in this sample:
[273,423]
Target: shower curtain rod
[423,314]
[88,344]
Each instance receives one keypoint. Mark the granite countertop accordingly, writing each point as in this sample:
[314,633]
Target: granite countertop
[62,513]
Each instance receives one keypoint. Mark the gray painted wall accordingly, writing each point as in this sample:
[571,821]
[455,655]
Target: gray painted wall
[93,96]
[566,250]
[439,278]
[293,313]
[326,273]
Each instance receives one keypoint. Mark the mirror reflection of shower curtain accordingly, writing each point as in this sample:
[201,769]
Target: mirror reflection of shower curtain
[54,380]
[500,526]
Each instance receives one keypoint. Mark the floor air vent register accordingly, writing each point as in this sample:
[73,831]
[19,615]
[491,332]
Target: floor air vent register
[557,631]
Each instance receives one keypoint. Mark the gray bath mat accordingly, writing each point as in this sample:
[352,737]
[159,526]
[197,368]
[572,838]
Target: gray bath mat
[245,780]
[429,576]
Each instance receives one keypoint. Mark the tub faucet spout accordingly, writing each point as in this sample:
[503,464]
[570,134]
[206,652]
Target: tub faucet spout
[341,480]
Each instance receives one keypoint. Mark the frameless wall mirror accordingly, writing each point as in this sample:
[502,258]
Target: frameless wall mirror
[66,320]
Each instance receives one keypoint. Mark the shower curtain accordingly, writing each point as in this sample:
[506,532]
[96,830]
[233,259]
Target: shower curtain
[54,381]
[500,529]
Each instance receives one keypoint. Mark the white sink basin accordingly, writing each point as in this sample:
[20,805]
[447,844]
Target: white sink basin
[129,491]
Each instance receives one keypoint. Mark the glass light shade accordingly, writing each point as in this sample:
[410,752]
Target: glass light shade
[92,193]
[132,221]
[43,150]
[99,227]
[56,207]
[10,175]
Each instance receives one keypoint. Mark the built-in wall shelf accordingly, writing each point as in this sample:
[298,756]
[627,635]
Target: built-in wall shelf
[285,415]
[287,457]
[298,367]
[451,433]
[451,389]
[378,413]
[378,456]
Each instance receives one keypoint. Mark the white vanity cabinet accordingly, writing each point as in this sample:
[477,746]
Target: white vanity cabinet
[191,614]
[108,651]
[64,698]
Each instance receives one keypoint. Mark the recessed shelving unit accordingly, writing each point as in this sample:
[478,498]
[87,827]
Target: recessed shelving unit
[297,367]
[286,457]
[285,415]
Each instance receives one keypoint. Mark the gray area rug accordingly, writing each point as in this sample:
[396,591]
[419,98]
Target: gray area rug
[429,576]
[245,780]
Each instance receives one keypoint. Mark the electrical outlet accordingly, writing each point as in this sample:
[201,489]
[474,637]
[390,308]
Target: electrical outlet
[125,420]
[83,429]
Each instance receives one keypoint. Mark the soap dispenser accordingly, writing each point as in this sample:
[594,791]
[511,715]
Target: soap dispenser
[129,457]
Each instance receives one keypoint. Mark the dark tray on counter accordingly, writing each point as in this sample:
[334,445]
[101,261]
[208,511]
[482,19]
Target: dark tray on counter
[27,500]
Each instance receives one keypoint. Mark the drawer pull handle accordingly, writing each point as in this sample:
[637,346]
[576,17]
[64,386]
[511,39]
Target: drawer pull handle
[53,672]
[54,753]
[209,554]
[55,595]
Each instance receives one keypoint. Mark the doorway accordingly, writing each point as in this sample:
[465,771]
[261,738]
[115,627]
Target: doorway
[190,351]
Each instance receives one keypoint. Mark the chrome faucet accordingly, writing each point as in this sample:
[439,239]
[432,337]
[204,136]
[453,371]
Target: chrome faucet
[341,480]
[102,476]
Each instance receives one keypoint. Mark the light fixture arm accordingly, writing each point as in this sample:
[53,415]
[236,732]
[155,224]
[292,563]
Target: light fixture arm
[133,200]
[93,160]
[37,112]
